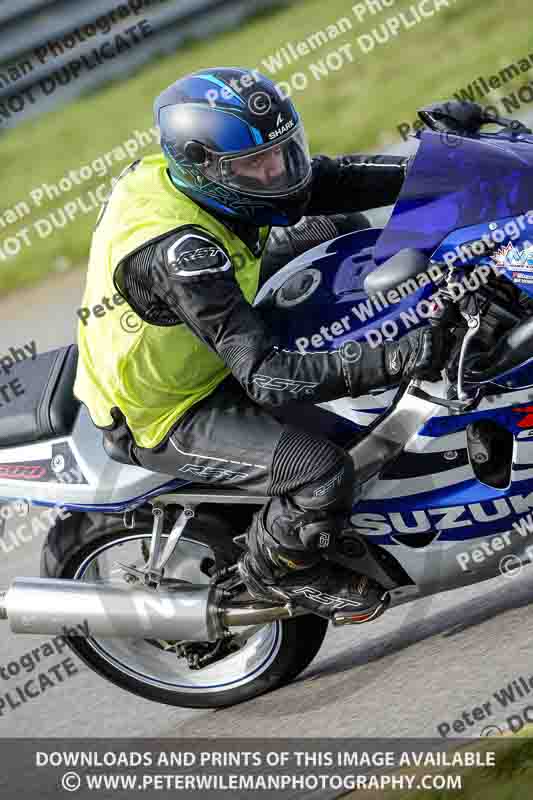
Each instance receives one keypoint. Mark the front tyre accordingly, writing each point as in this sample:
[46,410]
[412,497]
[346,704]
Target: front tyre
[87,547]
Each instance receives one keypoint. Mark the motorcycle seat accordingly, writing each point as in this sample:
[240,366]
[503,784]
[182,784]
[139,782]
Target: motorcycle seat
[41,404]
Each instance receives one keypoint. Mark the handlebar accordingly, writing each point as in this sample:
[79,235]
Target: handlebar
[464,118]
[513,349]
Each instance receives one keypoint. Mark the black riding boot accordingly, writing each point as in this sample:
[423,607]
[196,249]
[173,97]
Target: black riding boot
[292,573]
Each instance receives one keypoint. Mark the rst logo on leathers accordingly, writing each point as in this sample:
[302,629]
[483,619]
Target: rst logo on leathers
[191,254]
[283,384]
[324,489]
[217,473]
[196,255]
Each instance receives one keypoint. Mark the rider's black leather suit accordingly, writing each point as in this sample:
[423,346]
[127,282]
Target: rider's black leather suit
[259,436]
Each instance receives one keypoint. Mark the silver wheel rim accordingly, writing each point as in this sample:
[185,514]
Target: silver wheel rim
[144,662]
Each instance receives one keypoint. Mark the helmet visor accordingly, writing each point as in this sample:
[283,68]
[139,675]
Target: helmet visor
[277,170]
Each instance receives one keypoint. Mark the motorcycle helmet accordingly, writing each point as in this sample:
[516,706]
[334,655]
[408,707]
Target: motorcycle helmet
[235,145]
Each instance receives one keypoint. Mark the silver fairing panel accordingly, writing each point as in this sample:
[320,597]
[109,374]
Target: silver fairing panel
[76,470]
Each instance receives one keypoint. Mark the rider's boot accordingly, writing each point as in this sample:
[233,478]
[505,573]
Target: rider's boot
[292,573]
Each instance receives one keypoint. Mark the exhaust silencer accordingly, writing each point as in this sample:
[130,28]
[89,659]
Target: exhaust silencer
[52,606]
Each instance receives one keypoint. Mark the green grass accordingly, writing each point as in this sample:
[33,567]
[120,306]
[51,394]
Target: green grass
[356,108]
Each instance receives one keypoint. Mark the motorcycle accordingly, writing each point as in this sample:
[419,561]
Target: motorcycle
[145,564]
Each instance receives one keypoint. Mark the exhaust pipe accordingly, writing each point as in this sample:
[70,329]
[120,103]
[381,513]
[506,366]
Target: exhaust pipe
[192,613]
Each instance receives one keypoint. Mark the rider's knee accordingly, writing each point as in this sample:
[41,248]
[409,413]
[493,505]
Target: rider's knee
[314,471]
[333,488]
[314,481]
[327,503]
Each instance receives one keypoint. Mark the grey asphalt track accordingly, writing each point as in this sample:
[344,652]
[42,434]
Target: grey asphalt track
[420,666]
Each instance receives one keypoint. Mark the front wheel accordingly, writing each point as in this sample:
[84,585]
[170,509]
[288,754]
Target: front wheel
[253,661]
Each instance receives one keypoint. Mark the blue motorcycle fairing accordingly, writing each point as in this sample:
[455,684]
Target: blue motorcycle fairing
[477,245]
[458,249]
[310,316]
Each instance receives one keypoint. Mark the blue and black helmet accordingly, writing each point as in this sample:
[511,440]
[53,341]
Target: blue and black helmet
[236,145]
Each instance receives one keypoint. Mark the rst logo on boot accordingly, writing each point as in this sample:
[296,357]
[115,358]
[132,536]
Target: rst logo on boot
[325,599]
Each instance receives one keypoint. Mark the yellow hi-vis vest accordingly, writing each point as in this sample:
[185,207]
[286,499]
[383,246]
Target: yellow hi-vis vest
[152,373]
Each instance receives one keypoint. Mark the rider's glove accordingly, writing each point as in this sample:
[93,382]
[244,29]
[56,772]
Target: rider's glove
[453,116]
[422,354]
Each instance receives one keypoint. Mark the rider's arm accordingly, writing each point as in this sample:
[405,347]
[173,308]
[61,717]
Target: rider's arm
[355,182]
[196,279]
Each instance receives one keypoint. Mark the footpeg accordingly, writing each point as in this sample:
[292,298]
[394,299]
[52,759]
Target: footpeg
[343,618]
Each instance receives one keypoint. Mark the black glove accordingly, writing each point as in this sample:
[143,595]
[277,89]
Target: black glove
[422,354]
[453,116]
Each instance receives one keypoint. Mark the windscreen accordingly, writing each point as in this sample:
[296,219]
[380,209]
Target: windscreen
[454,182]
